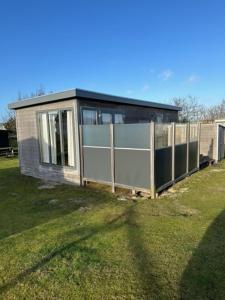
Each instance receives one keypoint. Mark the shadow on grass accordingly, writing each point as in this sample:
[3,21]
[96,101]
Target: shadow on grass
[147,278]
[204,277]
[145,270]
[72,246]
[23,206]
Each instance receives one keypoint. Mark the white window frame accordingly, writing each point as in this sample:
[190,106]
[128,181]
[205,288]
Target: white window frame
[59,111]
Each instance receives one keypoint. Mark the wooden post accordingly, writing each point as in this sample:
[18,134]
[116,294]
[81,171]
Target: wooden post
[199,144]
[152,160]
[188,140]
[112,157]
[173,149]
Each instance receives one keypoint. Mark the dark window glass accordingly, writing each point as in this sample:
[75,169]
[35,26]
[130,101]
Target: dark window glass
[89,117]
[119,118]
[106,118]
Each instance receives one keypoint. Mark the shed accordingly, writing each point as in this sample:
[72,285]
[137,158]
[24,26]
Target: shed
[48,127]
[212,140]
[4,139]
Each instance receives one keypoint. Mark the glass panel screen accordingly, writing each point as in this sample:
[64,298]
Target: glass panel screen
[98,135]
[132,136]
[54,133]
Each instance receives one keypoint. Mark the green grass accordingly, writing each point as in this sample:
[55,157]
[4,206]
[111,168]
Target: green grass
[82,243]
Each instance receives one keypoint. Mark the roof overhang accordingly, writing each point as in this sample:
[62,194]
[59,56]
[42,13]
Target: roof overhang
[87,95]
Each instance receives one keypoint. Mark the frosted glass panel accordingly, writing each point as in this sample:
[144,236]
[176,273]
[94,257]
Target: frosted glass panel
[181,134]
[163,135]
[193,132]
[96,135]
[132,135]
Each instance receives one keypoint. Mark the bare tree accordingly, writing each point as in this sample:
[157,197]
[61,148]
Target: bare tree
[191,110]
[215,111]
[9,117]
[38,92]
[9,120]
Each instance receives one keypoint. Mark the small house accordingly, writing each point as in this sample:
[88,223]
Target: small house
[48,127]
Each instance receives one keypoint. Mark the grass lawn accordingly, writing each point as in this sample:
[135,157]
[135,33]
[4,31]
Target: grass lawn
[83,243]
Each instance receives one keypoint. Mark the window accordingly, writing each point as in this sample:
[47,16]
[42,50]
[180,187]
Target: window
[44,137]
[54,133]
[106,118]
[67,133]
[56,137]
[89,117]
[118,118]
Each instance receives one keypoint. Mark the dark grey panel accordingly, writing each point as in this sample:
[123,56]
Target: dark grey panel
[97,164]
[96,135]
[193,153]
[163,166]
[132,168]
[132,136]
[4,138]
[180,160]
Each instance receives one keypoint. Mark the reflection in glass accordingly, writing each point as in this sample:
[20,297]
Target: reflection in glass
[54,133]
[89,117]
[119,119]
[106,118]
[68,139]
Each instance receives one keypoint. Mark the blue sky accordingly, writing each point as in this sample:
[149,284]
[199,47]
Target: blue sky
[152,50]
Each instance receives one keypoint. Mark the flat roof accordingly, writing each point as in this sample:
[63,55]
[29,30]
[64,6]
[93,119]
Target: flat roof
[88,95]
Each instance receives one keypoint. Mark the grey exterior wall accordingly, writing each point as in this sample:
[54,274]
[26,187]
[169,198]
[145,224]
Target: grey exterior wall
[133,114]
[29,156]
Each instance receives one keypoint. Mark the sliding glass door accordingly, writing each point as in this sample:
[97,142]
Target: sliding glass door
[56,137]
[54,133]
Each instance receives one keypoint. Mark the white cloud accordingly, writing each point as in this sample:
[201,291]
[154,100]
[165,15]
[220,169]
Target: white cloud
[166,74]
[145,88]
[193,78]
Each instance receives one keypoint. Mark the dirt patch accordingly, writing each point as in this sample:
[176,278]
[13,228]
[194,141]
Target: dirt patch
[48,185]
[84,208]
[217,170]
[184,210]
